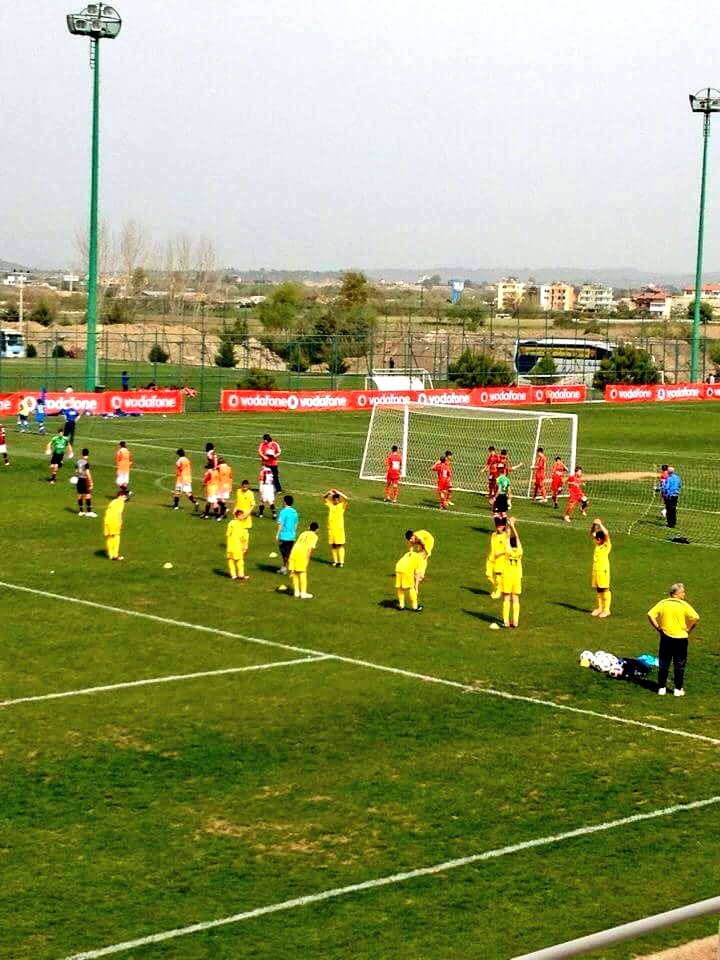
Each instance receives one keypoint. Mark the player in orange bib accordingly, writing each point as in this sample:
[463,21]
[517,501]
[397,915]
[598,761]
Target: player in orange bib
[123,466]
[183,480]
[211,482]
[557,479]
[443,469]
[225,477]
[576,495]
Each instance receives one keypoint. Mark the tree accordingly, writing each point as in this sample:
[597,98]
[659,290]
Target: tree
[354,289]
[256,379]
[225,357]
[706,311]
[158,355]
[44,312]
[546,369]
[132,248]
[714,354]
[280,310]
[473,369]
[626,364]
[139,280]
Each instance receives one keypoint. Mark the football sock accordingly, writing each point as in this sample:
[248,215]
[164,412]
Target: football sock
[506,610]
[88,505]
[80,505]
[295,578]
[401,598]
[232,568]
[516,611]
[413,594]
[303,582]
[341,555]
[176,501]
[607,597]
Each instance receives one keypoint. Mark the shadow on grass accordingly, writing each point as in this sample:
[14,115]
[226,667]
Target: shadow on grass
[571,606]
[219,572]
[267,567]
[388,604]
[479,615]
[478,591]
[101,553]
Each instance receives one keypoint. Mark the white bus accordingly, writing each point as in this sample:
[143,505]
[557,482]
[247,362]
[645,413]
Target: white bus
[12,344]
[575,360]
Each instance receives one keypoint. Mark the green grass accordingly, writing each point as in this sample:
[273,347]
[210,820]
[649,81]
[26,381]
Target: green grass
[134,811]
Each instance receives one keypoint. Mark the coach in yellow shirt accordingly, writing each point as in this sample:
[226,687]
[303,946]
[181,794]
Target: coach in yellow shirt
[674,619]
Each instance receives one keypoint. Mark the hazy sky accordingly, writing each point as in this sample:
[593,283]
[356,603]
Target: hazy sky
[364,133]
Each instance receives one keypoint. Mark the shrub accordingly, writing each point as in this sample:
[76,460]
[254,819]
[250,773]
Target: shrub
[58,352]
[546,369]
[225,357]
[592,327]
[117,311]
[626,364]
[44,312]
[256,379]
[158,355]
[31,351]
[714,354]
[480,370]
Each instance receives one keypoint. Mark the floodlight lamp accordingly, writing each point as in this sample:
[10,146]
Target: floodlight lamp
[98,20]
[705,101]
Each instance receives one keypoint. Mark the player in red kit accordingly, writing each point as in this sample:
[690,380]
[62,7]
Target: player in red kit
[269,452]
[443,469]
[557,479]
[540,466]
[491,465]
[393,469]
[3,446]
[576,495]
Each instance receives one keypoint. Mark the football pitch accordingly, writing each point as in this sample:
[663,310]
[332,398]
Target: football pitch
[194,768]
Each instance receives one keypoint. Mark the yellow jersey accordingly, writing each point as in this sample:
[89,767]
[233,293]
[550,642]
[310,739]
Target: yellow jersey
[498,551]
[299,558]
[427,540]
[236,537]
[245,501]
[336,521]
[114,517]
[674,617]
[601,556]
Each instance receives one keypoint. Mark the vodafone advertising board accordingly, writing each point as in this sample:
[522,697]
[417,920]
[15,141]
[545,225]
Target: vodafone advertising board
[98,404]
[315,401]
[661,392]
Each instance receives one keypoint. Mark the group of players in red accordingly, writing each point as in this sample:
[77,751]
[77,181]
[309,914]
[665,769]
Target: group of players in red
[499,467]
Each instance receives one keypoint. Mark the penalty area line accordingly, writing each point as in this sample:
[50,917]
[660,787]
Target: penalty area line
[172,678]
[368,664]
[392,879]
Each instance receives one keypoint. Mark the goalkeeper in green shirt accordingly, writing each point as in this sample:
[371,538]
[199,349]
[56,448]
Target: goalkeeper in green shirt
[502,503]
[57,448]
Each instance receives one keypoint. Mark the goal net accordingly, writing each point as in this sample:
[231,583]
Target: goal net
[399,378]
[423,432]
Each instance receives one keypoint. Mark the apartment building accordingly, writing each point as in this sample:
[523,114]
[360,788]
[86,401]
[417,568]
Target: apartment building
[595,297]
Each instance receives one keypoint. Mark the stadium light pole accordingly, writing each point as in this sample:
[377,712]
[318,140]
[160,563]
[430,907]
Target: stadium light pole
[97,21]
[707,102]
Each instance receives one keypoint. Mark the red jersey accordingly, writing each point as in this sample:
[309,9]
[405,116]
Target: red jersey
[575,486]
[266,475]
[444,472]
[393,466]
[540,465]
[492,463]
[558,473]
[212,460]
[503,461]
[269,451]
[3,439]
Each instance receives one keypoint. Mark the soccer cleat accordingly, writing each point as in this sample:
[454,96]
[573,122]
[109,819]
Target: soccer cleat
[678,693]
[596,612]
[306,596]
[243,579]
[495,595]
[91,514]
[603,615]
[176,508]
[283,571]
[662,691]
[567,519]
[417,609]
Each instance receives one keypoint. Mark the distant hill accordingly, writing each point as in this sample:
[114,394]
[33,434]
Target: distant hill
[7,266]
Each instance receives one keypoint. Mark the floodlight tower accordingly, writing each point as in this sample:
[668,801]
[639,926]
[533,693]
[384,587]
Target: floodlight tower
[98,21]
[707,102]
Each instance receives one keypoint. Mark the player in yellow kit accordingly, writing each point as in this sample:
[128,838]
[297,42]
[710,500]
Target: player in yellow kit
[406,576]
[495,562]
[237,539]
[299,561]
[601,568]
[336,503]
[511,578]
[424,544]
[112,525]
[245,502]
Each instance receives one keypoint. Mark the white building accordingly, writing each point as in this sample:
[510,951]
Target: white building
[595,297]
[510,292]
[16,280]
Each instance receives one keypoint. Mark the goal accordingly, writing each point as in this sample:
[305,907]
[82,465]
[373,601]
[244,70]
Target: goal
[423,432]
[399,378]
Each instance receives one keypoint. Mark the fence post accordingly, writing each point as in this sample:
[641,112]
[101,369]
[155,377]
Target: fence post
[201,392]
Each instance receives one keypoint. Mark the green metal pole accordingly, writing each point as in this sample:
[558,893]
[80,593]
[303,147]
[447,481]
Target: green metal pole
[698,266]
[91,344]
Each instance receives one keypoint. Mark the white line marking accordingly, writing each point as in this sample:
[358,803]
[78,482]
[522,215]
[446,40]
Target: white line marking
[397,671]
[391,879]
[174,678]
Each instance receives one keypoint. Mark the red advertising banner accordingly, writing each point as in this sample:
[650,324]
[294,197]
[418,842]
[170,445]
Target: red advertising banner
[661,392]
[315,401]
[97,404]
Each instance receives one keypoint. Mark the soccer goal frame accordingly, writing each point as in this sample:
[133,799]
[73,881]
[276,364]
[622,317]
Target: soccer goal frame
[424,431]
[399,378]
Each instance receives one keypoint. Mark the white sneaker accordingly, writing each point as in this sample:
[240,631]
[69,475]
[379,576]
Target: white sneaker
[91,514]
[306,596]
[678,693]
[662,691]
[283,570]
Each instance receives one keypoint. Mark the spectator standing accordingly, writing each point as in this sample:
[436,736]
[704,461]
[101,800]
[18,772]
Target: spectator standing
[71,415]
[670,490]
[269,452]
[674,619]
[125,381]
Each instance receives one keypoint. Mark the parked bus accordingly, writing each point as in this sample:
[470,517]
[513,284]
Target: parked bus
[575,360]
[12,344]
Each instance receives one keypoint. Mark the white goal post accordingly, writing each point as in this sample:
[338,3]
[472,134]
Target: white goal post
[424,431]
[399,378]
